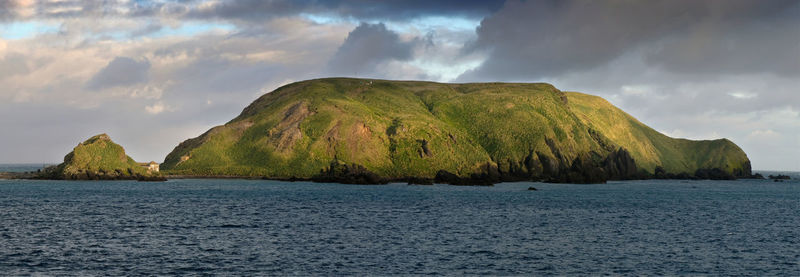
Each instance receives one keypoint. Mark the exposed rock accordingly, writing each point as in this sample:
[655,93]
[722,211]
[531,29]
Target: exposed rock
[339,172]
[419,181]
[713,174]
[744,172]
[475,180]
[584,170]
[452,138]
[287,132]
[532,164]
[424,151]
[779,177]
[619,165]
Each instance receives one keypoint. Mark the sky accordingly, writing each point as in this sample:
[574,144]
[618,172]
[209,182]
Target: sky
[152,73]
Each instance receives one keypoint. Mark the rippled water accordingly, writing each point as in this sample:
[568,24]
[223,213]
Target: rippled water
[22,167]
[240,227]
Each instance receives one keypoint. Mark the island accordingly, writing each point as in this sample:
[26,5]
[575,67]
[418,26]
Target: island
[369,131]
[99,158]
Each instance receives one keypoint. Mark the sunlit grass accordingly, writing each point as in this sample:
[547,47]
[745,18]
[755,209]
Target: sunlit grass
[383,124]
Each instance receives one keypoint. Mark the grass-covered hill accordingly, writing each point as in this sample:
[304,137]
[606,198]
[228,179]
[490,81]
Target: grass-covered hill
[99,158]
[360,130]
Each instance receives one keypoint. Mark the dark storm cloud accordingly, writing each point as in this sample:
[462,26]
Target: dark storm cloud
[122,71]
[366,47]
[535,39]
[742,39]
[258,10]
[360,9]
[402,9]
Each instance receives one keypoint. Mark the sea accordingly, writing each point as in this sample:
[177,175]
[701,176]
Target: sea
[29,167]
[259,227]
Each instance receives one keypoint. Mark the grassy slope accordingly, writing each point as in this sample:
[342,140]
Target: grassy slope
[649,147]
[298,129]
[96,154]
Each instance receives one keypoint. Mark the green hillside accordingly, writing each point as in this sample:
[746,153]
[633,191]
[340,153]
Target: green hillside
[99,158]
[650,148]
[408,129]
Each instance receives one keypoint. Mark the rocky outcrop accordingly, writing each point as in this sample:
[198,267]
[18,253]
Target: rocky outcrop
[779,177]
[339,172]
[619,165]
[286,133]
[586,169]
[444,177]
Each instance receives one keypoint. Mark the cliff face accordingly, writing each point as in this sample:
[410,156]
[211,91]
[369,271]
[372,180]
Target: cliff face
[340,129]
[99,158]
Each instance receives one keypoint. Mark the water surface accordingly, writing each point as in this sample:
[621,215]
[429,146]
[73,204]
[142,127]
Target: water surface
[22,167]
[248,227]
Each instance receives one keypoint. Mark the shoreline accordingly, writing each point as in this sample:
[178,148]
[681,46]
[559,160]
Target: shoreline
[17,175]
[353,181]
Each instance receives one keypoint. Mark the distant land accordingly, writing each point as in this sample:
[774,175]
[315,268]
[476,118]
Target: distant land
[375,131]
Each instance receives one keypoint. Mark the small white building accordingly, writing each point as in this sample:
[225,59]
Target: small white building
[151,166]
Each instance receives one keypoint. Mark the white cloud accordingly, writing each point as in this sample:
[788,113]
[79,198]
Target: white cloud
[157,108]
[639,90]
[743,95]
[146,92]
[764,135]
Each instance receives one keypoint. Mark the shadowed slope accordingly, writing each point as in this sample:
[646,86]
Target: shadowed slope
[650,148]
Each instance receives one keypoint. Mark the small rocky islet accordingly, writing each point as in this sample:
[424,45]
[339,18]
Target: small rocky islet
[99,158]
[365,131]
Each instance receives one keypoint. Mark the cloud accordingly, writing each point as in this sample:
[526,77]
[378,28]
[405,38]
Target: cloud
[122,71]
[737,37]
[146,30]
[367,47]
[699,69]
[539,39]
[245,10]
[764,134]
[742,95]
[157,108]
[11,9]
[361,10]
[693,69]
[124,81]
[12,64]
[6,9]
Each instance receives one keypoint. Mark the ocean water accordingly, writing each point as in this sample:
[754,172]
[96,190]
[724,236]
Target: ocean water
[22,167]
[251,227]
